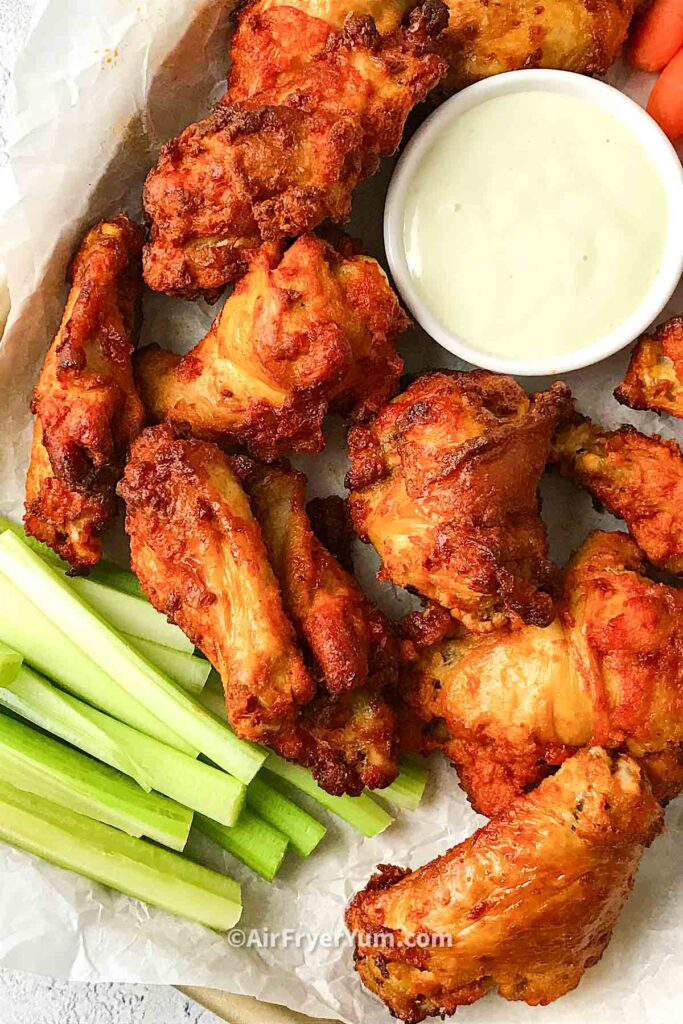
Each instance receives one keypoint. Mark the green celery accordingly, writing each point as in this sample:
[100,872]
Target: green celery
[48,590]
[253,841]
[132,866]
[10,663]
[300,827]
[46,648]
[154,765]
[408,788]
[184,669]
[362,811]
[41,765]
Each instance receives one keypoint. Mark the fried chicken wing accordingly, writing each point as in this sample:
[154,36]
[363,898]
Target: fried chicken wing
[86,406]
[654,379]
[524,906]
[444,485]
[279,163]
[200,556]
[304,330]
[482,38]
[507,709]
[636,477]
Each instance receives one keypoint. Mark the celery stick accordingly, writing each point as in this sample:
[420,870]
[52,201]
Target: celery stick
[360,811]
[104,572]
[47,649]
[10,663]
[253,841]
[408,788]
[130,614]
[301,828]
[153,764]
[184,669]
[34,762]
[131,866]
[156,692]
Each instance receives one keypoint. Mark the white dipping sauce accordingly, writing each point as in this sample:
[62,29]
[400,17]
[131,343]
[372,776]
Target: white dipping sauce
[534,225]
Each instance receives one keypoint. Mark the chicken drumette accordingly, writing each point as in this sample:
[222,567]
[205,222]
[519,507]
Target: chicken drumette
[636,477]
[200,556]
[444,485]
[507,709]
[282,161]
[654,379]
[304,330]
[85,402]
[524,906]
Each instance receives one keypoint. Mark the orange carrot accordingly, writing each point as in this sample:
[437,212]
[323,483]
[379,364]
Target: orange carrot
[666,99]
[658,36]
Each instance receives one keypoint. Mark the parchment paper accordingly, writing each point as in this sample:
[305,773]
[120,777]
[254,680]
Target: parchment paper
[98,87]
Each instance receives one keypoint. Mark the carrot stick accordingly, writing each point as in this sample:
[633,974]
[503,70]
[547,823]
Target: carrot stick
[658,36]
[666,99]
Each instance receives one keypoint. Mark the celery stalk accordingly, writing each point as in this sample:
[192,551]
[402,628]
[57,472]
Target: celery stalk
[408,788]
[67,610]
[10,663]
[360,811]
[302,829]
[130,614]
[154,765]
[36,763]
[131,866]
[253,841]
[44,646]
[184,669]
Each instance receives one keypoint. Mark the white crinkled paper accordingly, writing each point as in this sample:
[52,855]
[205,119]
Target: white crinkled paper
[98,87]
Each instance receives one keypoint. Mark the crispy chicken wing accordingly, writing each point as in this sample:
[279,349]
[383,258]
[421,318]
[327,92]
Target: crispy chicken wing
[444,485]
[524,906]
[507,709]
[482,38]
[636,477]
[85,402]
[200,556]
[281,162]
[654,379]
[304,330]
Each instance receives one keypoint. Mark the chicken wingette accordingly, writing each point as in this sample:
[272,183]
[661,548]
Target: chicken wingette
[654,379]
[201,558]
[507,709]
[483,37]
[634,476]
[305,329]
[86,405]
[524,906]
[444,485]
[281,162]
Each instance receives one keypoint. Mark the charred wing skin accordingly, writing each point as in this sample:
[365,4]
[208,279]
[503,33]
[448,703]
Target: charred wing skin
[444,485]
[507,709]
[634,476]
[304,330]
[86,405]
[282,161]
[524,907]
[654,379]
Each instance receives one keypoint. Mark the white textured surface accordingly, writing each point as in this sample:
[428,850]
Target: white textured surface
[25,998]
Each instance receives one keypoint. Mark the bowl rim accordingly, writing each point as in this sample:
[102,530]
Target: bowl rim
[654,140]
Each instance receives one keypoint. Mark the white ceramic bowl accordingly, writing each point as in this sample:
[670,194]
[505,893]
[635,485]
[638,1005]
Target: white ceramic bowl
[642,126]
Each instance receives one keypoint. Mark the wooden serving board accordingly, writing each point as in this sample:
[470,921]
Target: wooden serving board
[246,1009]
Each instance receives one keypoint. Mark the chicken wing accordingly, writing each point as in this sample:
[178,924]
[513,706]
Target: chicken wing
[281,162]
[654,379]
[482,38]
[444,485]
[636,477]
[85,402]
[524,906]
[200,556]
[304,330]
[507,709]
